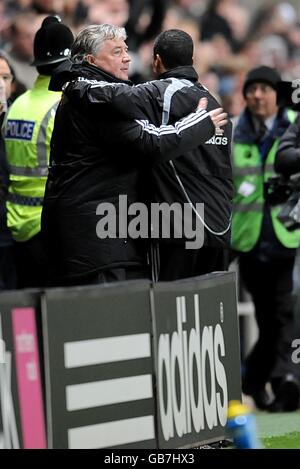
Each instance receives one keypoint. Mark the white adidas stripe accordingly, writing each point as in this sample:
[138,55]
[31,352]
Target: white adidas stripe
[108,392]
[106,350]
[119,432]
[187,122]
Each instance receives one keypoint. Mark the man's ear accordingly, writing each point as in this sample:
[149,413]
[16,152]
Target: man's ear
[155,59]
[158,67]
[90,59]
[154,64]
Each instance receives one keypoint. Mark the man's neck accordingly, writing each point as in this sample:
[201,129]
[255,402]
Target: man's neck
[268,121]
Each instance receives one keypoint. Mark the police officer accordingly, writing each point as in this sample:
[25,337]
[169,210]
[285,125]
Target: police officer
[27,131]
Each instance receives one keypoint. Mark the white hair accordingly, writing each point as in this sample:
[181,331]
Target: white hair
[91,39]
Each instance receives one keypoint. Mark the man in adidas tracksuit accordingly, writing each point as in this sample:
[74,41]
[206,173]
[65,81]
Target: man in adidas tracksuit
[96,159]
[202,175]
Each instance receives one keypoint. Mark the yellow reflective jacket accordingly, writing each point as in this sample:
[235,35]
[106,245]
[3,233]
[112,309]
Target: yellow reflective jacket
[27,130]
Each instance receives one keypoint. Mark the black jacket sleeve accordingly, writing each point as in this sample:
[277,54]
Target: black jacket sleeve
[123,100]
[287,160]
[129,102]
[164,143]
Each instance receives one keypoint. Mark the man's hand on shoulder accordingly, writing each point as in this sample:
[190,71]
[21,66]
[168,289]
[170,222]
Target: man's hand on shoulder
[218,116]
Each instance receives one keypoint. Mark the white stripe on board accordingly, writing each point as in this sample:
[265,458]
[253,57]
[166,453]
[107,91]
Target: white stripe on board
[109,349]
[119,432]
[107,392]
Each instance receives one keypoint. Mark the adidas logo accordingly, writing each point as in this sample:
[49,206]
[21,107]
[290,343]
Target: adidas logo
[215,140]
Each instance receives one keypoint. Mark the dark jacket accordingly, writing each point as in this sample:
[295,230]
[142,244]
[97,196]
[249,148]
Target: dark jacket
[5,235]
[287,160]
[205,172]
[202,175]
[95,159]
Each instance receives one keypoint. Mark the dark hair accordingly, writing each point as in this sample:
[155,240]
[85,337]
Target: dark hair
[175,48]
[4,56]
[213,5]
[17,87]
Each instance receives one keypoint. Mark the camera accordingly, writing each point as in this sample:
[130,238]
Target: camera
[277,190]
[285,192]
[288,94]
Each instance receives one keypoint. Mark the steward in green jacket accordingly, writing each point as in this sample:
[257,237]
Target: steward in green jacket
[266,249]
[251,171]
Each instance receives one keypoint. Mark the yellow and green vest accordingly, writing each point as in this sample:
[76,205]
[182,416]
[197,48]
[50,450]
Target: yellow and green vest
[27,130]
[249,178]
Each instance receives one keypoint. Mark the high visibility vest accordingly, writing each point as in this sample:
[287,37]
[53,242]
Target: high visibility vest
[27,131]
[249,178]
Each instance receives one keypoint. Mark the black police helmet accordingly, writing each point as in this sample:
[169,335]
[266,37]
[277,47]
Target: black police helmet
[52,42]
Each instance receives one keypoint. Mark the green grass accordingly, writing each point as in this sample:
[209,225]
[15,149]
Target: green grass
[287,441]
[279,430]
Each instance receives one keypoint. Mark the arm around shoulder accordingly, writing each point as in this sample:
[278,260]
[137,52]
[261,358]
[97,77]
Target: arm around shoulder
[167,142]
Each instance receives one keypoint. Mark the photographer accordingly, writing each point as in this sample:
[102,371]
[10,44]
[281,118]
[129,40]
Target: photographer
[287,161]
[265,247]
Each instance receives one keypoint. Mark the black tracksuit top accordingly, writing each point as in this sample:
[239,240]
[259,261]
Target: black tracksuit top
[97,154]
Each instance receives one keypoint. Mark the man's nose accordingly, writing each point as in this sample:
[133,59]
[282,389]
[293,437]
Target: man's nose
[258,93]
[126,57]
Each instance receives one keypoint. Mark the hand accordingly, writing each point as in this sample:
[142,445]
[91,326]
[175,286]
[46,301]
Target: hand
[219,118]
[203,102]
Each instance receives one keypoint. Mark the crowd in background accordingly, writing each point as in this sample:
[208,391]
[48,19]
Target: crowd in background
[229,38]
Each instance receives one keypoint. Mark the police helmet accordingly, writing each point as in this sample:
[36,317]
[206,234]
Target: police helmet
[52,42]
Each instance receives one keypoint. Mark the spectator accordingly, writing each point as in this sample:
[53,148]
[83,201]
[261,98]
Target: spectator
[48,7]
[155,16]
[214,23]
[7,266]
[20,49]
[266,249]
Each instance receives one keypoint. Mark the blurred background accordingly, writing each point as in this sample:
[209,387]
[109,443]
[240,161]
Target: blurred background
[230,36]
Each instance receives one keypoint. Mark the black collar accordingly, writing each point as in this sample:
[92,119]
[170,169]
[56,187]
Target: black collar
[187,72]
[69,71]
